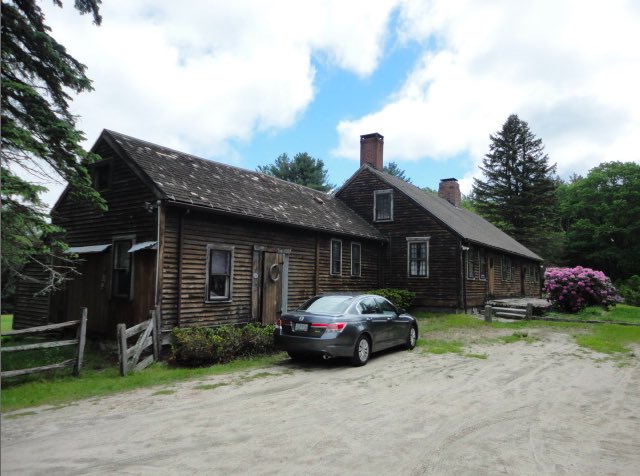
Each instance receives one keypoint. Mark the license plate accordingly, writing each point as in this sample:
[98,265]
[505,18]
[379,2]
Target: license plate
[297,327]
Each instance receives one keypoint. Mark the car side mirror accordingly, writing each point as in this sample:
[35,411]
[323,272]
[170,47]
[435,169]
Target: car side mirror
[402,311]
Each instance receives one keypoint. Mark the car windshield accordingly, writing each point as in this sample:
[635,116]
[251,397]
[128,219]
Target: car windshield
[327,304]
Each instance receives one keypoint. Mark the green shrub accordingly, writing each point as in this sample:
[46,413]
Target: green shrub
[630,290]
[195,346]
[401,298]
[201,346]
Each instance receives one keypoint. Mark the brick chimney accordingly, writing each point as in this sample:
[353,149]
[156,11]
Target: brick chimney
[450,190]
[371,146]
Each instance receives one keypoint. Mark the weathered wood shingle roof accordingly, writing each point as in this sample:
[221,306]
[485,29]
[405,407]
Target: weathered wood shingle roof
[464,223]
[185,179]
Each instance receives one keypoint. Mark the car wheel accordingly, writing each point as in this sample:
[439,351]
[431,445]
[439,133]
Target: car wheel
[412,338]
[362,351]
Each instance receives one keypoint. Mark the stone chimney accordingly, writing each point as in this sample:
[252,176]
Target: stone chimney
[371,146]
[450,190]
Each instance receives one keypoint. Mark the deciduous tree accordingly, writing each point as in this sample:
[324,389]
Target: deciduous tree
[601,213]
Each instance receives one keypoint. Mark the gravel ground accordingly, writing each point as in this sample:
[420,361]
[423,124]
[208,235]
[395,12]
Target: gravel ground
[546,407]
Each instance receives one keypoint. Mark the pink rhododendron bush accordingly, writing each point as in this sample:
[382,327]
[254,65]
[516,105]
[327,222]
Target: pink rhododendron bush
[573,289]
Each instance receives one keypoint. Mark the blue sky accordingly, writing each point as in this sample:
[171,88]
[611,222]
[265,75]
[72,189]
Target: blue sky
[242,82]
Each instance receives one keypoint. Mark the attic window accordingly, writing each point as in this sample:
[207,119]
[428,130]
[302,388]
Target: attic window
[102,176]
[383,205]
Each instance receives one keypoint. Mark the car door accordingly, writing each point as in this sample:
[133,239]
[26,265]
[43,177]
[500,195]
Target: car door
[397,327]
[376,322]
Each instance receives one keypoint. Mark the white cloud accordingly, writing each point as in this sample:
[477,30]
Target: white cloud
[201,73]
[570,69]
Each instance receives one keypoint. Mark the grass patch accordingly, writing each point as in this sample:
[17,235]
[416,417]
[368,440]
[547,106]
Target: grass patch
[59,390]
[163,392]
[477,356]
[6,323]
[610,338]
[210,386]
[605,338]
[518,337]
[440,346]
[619,313]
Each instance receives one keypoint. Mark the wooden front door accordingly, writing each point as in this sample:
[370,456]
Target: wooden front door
[270,279]
[491,279]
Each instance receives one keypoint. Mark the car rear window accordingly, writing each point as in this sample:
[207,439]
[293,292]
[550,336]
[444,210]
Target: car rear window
[327,304]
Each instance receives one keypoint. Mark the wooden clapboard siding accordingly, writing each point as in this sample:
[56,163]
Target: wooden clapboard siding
[31,306]
[201,229]
[441,288]
[128,214]
[126,197]
[369,275]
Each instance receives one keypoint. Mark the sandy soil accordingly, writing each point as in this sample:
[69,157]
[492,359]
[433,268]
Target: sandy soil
[546,407]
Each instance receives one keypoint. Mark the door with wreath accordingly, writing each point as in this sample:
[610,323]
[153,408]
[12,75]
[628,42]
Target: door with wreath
[269,290]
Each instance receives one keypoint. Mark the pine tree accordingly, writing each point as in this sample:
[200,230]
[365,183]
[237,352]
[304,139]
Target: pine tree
[393,169]
[39,133]
[303,170]
[517,192]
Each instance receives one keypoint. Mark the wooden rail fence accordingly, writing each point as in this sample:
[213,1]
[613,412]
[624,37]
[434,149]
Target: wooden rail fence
[150,336]
[79,342]
[508,312]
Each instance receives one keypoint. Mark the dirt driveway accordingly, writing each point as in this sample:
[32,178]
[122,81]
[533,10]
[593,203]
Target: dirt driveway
[545,407]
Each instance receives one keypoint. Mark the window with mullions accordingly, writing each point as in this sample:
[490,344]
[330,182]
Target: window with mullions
[219,273]
[122,269]
[472,257]
[418,257]
[356,258]
[506,268]
[383,205]
[336,257]
[482,256]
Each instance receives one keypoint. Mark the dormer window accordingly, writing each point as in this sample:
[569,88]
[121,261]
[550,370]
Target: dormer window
[383,205]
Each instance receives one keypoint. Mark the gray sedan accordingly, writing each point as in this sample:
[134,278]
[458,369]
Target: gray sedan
[339,325]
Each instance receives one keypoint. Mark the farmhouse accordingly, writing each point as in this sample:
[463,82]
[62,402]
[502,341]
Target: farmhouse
[209,244]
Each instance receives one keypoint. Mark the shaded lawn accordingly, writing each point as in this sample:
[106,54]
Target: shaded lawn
[6,324]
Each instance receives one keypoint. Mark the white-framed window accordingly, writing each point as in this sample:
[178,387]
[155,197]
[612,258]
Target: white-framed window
[336,257]
[472,257]
[418,257]
[505,265]
[356,259]
[219,277]
[482,257]
[383,205]
[122,267]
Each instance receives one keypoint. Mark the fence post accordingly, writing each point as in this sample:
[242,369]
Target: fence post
[529,311]
[81,335]
[156,332]
[488,313]
[122,348]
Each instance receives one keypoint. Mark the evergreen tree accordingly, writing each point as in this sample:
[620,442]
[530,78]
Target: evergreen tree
[303,170]
[393,169]
[517,192]
[39,133]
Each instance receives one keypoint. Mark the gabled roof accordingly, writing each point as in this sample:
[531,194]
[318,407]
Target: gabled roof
[185,179]
[464,223]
